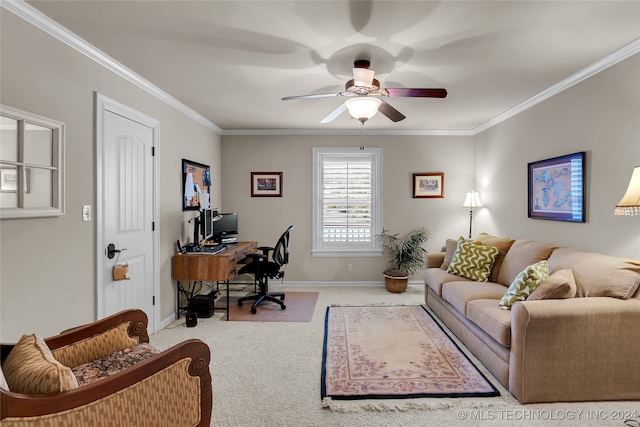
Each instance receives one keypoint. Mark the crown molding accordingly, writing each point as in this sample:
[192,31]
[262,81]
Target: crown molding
[49,26]
[383,132]
[618,56]
[39,20]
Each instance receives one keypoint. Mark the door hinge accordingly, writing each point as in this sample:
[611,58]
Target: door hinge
[153,226]
[153,300]
[153,151]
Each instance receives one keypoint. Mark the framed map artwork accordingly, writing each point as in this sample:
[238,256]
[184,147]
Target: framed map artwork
[556,188]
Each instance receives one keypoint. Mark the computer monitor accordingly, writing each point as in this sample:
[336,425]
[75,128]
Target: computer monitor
[206,224]
[226,226]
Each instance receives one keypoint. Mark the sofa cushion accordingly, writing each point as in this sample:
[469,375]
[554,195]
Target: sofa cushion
[450,248]
[522,254]
[599,275]
[559,285]
[502,243]
[525,283]
[113,363]
[435,277]
[30,368]
[458,294]
[473,261]
[487,315]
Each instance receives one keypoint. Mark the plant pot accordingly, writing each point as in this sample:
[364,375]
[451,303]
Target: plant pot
[397,285]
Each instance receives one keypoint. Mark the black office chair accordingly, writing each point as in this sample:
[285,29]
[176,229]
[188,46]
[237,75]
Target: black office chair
[262,270]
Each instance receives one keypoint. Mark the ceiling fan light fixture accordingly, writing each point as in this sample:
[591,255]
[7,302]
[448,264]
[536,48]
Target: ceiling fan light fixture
[363,77]
[362,108]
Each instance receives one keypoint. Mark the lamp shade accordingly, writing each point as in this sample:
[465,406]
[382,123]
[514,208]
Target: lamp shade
[363,76]
[362,107]
[630,203]
[472,200]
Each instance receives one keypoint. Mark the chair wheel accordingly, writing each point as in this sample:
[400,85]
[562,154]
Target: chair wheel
[240,303]
[253,310]
[282,307]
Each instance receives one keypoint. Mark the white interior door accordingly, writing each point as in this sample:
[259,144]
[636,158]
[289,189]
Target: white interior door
[126,209]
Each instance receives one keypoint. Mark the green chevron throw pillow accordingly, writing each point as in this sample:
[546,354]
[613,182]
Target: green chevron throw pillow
[473,261]
[525,283]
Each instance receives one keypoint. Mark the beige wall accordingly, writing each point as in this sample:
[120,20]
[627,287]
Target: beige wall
[600,116]
[47,266]
[264,219]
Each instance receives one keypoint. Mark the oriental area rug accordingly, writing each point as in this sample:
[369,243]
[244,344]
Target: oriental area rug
[394,352]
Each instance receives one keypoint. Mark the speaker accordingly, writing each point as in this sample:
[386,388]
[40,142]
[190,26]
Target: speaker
[192,319]
[202,305]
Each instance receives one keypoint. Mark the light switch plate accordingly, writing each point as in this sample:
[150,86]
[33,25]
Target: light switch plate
[86,212]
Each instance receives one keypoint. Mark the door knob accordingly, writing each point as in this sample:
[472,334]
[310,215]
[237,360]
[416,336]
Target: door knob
[112,251]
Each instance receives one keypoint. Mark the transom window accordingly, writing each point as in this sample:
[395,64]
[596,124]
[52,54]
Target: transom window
[347,201]
[31,165]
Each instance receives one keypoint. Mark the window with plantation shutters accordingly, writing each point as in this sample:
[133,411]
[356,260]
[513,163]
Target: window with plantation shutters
[347,201]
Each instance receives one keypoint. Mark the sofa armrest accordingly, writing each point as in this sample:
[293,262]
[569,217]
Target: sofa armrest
[170,389]
[579,349]
[434,259]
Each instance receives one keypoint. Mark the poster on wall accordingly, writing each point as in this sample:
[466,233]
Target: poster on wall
[556,188]
[196,185]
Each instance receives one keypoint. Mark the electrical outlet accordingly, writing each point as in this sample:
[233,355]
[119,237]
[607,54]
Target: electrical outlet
[349,268]
[86,212]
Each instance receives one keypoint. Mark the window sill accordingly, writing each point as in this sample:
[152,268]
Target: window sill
[345,253]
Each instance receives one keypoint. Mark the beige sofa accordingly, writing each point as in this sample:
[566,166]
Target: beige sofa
[578,348]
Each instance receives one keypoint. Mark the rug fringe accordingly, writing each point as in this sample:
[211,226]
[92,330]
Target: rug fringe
[430,404]
[378,304]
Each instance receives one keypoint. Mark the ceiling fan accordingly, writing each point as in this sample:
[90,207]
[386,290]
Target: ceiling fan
[363,91]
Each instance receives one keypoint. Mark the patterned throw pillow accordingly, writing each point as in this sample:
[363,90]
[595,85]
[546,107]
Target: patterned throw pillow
[502,243]
[524,284]
[31,369]
[472,261]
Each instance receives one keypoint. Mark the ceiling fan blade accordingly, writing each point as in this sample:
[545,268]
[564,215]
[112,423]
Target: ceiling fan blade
[334,114]
[393,114]
[312,96]
[417,93]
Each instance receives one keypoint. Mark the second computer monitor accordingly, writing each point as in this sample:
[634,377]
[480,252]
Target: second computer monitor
[226,226]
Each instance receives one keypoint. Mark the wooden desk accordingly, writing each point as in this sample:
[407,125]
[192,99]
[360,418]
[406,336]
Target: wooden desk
[199,267]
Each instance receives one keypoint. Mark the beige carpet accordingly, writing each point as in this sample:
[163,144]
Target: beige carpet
[300,308]
[267,374]
[394,352]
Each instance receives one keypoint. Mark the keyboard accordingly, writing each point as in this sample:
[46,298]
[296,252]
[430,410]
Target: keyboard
[213,250]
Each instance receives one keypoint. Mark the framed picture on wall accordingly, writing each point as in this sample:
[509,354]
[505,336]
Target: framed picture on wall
[196,185]
[266,184]
[556,188]
[428,185]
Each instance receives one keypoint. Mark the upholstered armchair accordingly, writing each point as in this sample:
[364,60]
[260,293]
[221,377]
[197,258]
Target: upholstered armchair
[105,374]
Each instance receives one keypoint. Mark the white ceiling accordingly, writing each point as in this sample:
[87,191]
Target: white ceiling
[233,61]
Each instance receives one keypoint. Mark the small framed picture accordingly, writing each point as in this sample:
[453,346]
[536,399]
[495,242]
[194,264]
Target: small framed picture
[266,184]
[556,188]
[428,185]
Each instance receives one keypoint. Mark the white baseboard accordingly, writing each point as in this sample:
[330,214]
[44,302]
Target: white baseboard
[167,321]
[337,283]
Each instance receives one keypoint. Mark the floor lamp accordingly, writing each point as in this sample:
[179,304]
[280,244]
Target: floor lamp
[471,201]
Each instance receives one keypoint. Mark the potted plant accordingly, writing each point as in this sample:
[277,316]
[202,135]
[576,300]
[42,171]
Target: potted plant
[406,255]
